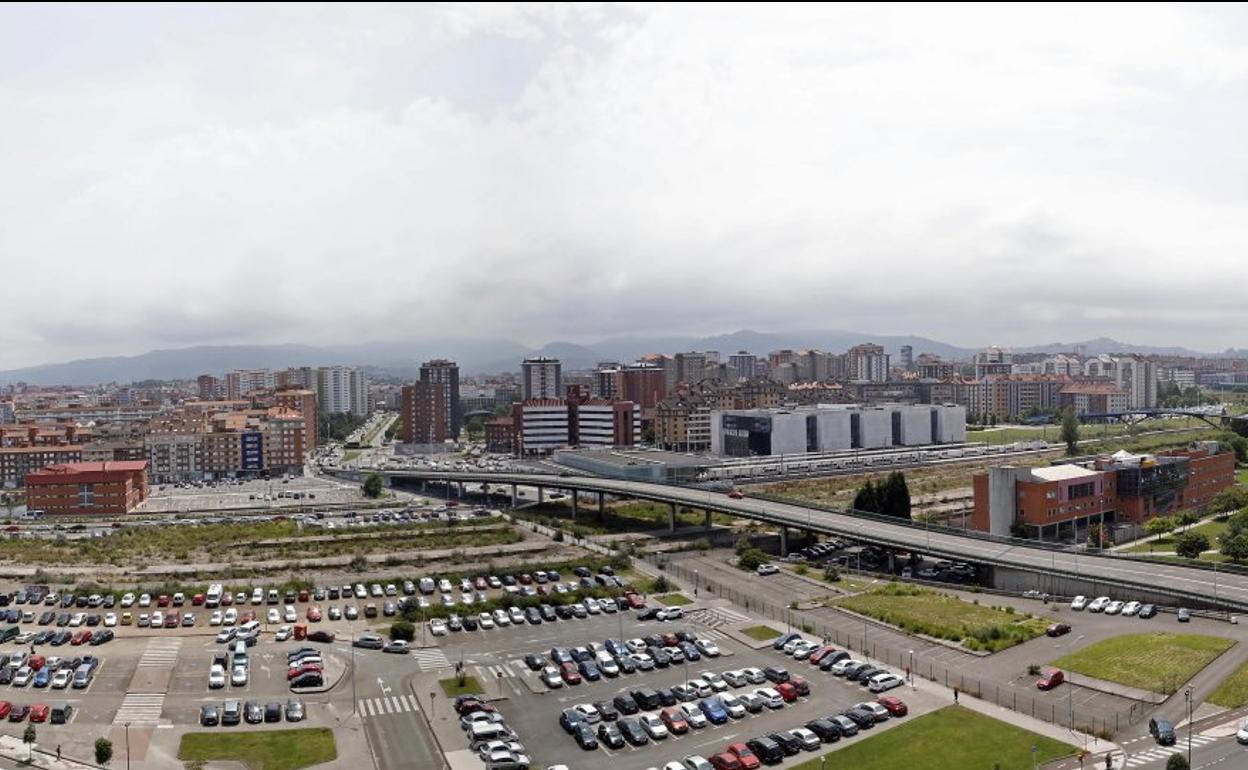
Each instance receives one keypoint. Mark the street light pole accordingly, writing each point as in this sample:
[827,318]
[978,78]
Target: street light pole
[1187,695]
[127,746]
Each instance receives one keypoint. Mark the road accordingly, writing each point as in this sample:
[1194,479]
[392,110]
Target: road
[1183,583]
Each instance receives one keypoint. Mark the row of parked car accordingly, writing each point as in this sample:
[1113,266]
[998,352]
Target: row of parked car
[93,637]
[838,662]
[232,712]
[548,613]
[1116,607]
[489,737]
[58,714]
[23,669]
[593,661]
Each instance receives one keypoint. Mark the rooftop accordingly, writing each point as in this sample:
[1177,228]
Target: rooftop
[1063,472]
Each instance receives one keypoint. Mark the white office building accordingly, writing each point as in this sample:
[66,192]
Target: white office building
[830,428]
[342,390]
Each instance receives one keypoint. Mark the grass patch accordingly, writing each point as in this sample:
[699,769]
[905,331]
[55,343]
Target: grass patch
[943,616]
[673,600]
[268,750]
[1233,691]
[1210,529]
[1160,662]
[952,738]
[350,454]
[451,687]
[634,516]
[761,633]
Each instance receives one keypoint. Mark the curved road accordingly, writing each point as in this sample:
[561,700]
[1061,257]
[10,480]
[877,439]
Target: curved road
[1229,590]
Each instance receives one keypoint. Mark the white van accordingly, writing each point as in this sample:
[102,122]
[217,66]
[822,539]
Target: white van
[427,585]
[488,731]
[250,628]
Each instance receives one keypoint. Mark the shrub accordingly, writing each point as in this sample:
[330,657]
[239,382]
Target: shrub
[103,751]
[403,630]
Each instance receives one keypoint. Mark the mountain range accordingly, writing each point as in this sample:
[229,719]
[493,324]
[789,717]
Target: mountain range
[486,356]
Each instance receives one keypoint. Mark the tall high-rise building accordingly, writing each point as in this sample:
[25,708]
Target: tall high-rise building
[541,377]
[690,367]
[868,363]
[445,374]
[743,364]
[209,387]
[643,384]
[423,414]
[241,383]
[907,358]
[342,390]
[302,401]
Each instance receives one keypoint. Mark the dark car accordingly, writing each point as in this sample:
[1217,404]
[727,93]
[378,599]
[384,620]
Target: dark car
[831,659]
[102,636]
[610,735]
[470,623]
[776,674]
[648,614]
[787,742]
[589,671]
[273,712]
[606,709]
[660,656]
[827,731]
[864,674]
[625,704]
[325,637]
[862,717]
[208,716]
[769,751]
[533,616]
[534,661]
[47,617]
[783,640]
[585,738]
[1057,629]
[309,679]
[1147,611]
[646,698]
[253,713]
[563,612]
[627,664]
[548,613]
[632,732]
[1160,729]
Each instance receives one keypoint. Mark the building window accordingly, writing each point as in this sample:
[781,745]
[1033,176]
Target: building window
[86,495]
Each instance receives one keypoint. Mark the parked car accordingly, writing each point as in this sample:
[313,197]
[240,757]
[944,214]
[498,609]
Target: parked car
[1057,629]
[1050,678]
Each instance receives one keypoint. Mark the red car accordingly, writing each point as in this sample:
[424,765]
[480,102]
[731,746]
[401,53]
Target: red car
[725,761]
[735,495]
[481,584]
[18,713]
[895,706]
[227,599]
[162,600]
[39,712]
[171,620]
[314,614]
[800,684]
[82,637]
[748,759]
[1050,678]
[5,708]
[303,595]
[635,601]
[197,600]
[675,721]
[36,662]
[820,654]
[308,668]
[246,617]
[526,579]
[569,673]
[670,639]
[787,691]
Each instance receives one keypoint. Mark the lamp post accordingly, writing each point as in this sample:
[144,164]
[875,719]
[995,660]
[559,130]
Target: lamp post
[695,584]
[127,746]
[911,669]
[1187,695]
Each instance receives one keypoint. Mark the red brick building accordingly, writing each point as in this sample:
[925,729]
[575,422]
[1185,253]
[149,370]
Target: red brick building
[1049,502]
[88,488]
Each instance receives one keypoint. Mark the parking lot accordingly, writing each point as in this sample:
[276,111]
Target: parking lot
[533,710]
[249,493]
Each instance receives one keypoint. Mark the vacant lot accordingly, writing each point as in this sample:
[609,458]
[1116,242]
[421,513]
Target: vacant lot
[268,750]
[451,687]
[953,738]
[1209,529]
[1160,662]
[634,516]
[673,600]
[943,616]
[761,633]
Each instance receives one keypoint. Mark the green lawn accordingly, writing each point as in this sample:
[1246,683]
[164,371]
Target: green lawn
[451,687]
[953,738]
[761,633]
[1233,692]
[944,616]
[1210,529]
[673,600]
[267,750]
[1157,661]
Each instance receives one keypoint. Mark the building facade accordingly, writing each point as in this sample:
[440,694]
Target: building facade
[444,374]
[88,488]
[766,432]
[541,377]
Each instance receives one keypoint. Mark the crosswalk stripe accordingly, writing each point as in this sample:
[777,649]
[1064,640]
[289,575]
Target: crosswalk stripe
[411,704]
[364,710]
[385,705]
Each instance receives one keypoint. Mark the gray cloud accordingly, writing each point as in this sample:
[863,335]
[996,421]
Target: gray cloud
[179,175]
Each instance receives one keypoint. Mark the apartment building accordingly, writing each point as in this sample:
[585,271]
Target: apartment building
[541,377]
[88,488]
[683,423]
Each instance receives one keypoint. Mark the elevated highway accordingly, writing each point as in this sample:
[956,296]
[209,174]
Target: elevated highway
[1012,564]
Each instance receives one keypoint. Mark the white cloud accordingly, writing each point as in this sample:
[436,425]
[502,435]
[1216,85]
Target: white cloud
[1012,174]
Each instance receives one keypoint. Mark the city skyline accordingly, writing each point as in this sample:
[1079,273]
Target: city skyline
[948,171]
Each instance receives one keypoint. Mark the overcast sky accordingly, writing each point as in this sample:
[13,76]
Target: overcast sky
[186,175]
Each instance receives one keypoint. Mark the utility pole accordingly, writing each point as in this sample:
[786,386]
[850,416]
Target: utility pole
[1187,695]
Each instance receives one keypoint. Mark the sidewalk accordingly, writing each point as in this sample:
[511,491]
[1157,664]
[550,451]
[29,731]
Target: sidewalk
[12,748]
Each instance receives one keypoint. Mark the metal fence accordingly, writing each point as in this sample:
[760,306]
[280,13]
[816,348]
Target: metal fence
[1094,721]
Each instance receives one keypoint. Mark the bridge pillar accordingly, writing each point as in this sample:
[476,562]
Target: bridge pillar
[707,524]
[575,497]
[541,494]
[515,495]
[784,541]
[461,490]
[485,493]
[671,518]
[424,487]
[602,506]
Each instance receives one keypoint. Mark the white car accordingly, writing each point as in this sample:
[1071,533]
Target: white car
[767,569]
[23,676]
[792,645]
[693,762]
[693,715]
[717,682]
[636,645]
[110,619]
[809,740]
[732,704]
[841,666]
[226,634]
[736,678]
[588,712]
[883,682]
[1099,604]
[591,606]
[1131,608]
[230,617]
[273,615]
[145,600]
[700,686]
[551,677]
[444,586]
[1242,735]
[216,618]
[290,615]
[78,619]
[707,648]
[1114,607]
[803,651]
[653,726]
[517,616]
[486,620]
[881,713]
[1079,602]
[60,680]
[127,600]
[501,618]
[754,675]
[239,677]
[771,698]
[216,677]
[283,633]
[437,627]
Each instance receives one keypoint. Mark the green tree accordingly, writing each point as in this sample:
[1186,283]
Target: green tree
[1098,536]
[103,751]
[1177,762]
[372,486]
[868,498]
[1159,525]
[1070,431]
[750,558]
[894,496]
[1236,443]
[1190,545]
[1229,500]
[28,737]
[402,630]
[1233,542]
